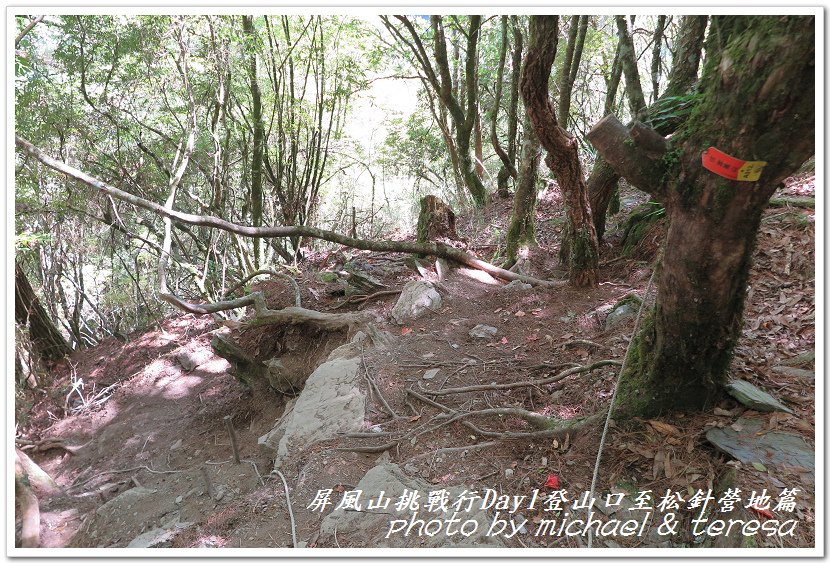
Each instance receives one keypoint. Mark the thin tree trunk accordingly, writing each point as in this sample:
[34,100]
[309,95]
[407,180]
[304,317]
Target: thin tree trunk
[521,232]
[573,56]
[507,168]
[656,54]
[681,354]
[259,133]
[562,148]
[628,58]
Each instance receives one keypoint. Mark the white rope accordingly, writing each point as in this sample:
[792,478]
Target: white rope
[614,396]
[290,511]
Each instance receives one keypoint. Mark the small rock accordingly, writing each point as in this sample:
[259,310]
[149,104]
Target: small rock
[508,473]
[517,285]
[622,312]
[544,462]
[411,469]
[431,373]
[795,372]
[483,331]
[801,360]
[179,499]
[752,397]
[176,445]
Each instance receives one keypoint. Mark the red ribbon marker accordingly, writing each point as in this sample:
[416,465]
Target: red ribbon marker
[730,167]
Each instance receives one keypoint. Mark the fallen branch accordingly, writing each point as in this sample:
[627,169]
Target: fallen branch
[439,250]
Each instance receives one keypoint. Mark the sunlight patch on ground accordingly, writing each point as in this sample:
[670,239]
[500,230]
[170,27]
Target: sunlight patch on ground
[180,386]
[478,275]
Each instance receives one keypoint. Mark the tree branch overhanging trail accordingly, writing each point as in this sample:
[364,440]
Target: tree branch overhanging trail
[430,248]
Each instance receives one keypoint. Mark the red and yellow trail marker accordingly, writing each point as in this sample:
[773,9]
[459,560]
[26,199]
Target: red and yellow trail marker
[730,167]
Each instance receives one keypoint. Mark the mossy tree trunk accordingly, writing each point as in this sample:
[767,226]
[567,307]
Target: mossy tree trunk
[757,104]
[522,232]
[602,181]
[562,149]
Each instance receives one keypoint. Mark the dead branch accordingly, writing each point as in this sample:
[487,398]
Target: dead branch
[404,247]
[518,384]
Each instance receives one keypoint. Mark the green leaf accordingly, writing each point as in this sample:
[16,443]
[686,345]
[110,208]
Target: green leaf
[759,466]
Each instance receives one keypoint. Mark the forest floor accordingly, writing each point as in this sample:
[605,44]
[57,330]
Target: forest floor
[161,433]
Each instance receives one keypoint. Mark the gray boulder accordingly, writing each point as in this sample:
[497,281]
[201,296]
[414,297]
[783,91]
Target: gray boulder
[370,528]
[417,298]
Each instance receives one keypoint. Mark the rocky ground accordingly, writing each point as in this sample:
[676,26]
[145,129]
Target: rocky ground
[427,404]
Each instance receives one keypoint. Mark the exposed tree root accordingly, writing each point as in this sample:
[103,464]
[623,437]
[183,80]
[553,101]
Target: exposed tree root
[517,384]
[28,477]
[550,427]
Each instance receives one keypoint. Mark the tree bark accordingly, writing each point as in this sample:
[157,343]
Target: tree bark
[656,53]
[562,148]
[48,341]
[628,59]
[761,84]
[521,232]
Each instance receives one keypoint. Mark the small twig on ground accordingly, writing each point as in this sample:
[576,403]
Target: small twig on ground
[373,385]
[232,434]
[586,343]
[253,464]
[370,449]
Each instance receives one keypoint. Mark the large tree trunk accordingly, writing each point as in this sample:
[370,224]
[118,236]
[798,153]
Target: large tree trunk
[757,103]
[28,312]
[521,232]
[563,155]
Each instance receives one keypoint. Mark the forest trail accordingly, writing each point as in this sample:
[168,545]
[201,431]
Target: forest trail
[156,455]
